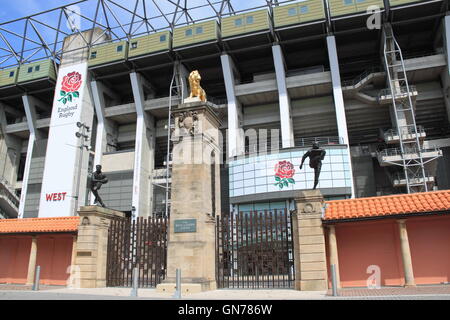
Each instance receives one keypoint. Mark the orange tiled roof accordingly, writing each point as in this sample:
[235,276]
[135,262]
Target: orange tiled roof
[39,225]
[388,205]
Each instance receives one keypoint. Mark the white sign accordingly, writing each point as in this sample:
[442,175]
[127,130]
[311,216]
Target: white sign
[59,183]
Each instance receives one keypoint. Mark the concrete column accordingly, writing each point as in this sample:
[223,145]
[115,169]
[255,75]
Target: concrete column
[310,260]
[32,262]
[334,258]
[31,114]
[236,143]
[339,101]
[13,145]
[104,126]
[144,153]
[92,245]
[406,254]
[182,81]
[445,76]
[287,128]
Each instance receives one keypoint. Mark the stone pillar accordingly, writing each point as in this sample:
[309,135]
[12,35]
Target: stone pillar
[32,262]
[92,244]
[334,257]
[196,158]
[309,243]
[406,254]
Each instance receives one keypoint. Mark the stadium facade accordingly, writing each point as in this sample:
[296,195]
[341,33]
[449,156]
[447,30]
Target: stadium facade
[367,79]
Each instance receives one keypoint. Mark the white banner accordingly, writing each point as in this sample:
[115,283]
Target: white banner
[60,176]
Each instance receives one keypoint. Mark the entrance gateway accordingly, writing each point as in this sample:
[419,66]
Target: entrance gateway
[254,250]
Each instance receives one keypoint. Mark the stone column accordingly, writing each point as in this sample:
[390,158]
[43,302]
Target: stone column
[192,246]
[92,244]
[406,254]
[334,257]
[309,243]
[32,262]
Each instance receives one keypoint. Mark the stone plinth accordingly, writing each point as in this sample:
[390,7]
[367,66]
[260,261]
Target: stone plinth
[92,244]
[195,196]
[309,243]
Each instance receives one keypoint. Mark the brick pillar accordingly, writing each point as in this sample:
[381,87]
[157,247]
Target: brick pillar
[92,244]
[406,254]
[32,261]
[309,243]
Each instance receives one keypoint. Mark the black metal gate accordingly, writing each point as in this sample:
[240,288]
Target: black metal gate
[255,250]
[138,244]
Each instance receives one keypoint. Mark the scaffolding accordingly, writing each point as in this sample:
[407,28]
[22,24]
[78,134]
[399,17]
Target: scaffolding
[409,157]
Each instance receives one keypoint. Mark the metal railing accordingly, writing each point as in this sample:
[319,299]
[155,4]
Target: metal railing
[409,130]
[408,151]
[400,91]
[362,76]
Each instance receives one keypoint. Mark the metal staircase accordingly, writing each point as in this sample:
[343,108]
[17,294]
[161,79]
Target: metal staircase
[409,157]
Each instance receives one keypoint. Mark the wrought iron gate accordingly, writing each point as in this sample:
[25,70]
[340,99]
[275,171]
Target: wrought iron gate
[255,250]
[138,244]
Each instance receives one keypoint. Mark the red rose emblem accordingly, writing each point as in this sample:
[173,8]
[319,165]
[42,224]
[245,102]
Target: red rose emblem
[284,173]
[72,82]
[284,170]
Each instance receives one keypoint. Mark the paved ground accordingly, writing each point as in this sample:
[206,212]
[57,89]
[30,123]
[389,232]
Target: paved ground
[9,292]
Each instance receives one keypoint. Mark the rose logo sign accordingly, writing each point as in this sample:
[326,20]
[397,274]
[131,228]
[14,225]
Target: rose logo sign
[70,86]
[284,173]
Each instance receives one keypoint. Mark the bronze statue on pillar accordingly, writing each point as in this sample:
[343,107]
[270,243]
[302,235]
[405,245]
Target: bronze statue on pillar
[316,156]
[97,179]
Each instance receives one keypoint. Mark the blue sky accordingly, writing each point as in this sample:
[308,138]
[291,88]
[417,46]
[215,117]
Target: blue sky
[9,10]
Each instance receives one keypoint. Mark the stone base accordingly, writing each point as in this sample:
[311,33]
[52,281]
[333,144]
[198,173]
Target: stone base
[191,100]
[187,288]
[311,285]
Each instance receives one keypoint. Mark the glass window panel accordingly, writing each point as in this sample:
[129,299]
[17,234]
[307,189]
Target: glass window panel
[134,45]
[261,189]
[162,38]
[304,9]
[249,175]
[119,48]
[246,207]
[310,177]
[335,159]
[337,167]
[262,206]
[260,181]
[249,190]
[325,176]
[249,183]
[260,173]
[238,184]
[278,205]
[325,184]
[338,175]
[238,192]
[199,30]
[238,176]
[249,167]
[37,68]
[188,32]
[292,11]
[238,169]
[273,188]
[348,2]
[249,20]
[11,74]
[339,183]
[238,22]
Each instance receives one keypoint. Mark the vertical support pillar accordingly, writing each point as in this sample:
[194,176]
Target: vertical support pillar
[310,261]
[445,76]
[104,126]
[339,101]
[144,163]
[32,262]
[235,137]
[182,81]
[334,257]
[287,129]
[13,148]
[30,112]
[406,254]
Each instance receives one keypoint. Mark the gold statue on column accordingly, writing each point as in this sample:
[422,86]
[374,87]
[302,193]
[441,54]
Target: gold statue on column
[196,89]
